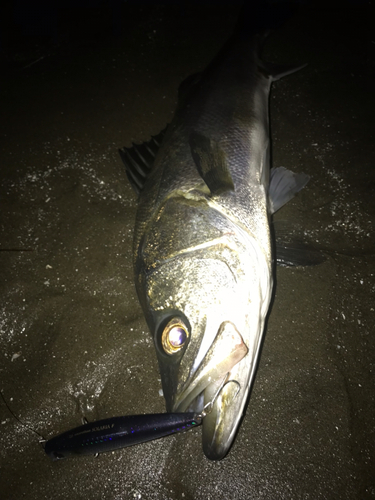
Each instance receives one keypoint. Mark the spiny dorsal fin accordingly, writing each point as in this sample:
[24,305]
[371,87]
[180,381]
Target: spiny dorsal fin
[188,85]
[139,160]
[211,163]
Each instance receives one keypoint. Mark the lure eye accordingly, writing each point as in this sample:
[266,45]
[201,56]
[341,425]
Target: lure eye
[174,336]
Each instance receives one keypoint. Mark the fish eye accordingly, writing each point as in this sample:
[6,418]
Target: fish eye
[174,336]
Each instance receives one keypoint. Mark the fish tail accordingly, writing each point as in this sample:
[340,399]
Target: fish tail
[261,17]
[256,21]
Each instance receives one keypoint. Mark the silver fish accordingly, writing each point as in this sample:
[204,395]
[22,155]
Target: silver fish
[203,256]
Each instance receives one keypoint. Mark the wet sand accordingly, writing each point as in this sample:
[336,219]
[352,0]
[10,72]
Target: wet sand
[73,341]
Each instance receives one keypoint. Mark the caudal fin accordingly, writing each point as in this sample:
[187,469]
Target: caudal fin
[259,16]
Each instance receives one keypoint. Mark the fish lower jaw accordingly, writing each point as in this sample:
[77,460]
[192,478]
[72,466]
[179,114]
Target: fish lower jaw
[220,418]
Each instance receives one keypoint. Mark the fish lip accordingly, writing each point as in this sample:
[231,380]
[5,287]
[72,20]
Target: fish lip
[197,404]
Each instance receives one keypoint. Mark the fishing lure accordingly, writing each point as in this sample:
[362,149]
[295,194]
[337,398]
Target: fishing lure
[118,432]
[114,433]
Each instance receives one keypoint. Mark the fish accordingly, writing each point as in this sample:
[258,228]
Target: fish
[118,432]
[203,247]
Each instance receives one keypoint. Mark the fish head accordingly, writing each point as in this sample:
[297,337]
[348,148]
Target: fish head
[205,299]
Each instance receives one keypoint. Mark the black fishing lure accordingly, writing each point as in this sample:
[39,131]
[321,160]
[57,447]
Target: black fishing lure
[118,432]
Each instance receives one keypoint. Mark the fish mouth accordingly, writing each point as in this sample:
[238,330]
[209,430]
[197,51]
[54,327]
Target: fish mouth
[213,391]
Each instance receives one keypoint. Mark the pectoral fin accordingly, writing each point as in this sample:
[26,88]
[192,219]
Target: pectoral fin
[211,163]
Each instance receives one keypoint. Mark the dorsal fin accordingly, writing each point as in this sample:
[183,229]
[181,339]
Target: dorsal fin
[188,85]
[139,160]
[291,247]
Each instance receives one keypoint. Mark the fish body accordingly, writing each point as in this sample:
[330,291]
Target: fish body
[203,256]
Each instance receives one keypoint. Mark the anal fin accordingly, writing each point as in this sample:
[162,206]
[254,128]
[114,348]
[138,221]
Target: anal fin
[284,185]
